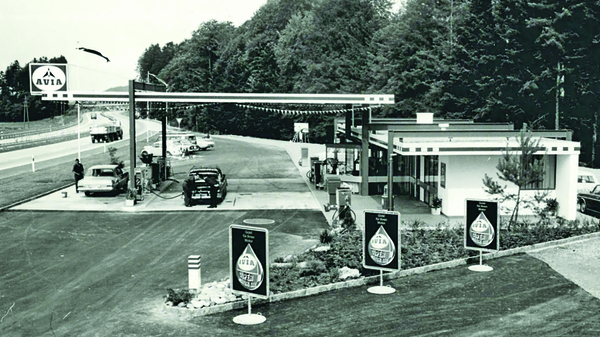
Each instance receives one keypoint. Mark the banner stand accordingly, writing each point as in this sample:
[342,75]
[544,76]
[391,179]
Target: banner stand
[249,318]
[480,267]
[380,289]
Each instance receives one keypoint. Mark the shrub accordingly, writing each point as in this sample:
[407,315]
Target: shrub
[420,247]
[314,267]
[326,236]
[178,297]
[114,160]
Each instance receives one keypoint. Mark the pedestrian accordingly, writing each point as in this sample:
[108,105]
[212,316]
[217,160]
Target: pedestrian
[214,187]
[78,171]
[188,186]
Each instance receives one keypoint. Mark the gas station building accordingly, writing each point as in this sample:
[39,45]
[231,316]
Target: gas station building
[434,158]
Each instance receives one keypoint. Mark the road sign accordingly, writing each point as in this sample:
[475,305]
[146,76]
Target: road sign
[381,240]
[249,256]
[47,78]
[482,225]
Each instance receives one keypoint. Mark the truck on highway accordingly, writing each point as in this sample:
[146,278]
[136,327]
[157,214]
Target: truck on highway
[106,132]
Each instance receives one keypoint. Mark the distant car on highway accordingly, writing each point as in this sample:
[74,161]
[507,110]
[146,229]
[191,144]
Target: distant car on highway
[103,179]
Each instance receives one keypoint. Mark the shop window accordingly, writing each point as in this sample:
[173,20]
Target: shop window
[549,178]
[430,170]
[443,175]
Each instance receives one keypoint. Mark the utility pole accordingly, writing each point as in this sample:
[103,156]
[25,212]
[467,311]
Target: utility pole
[26,111]
[558,74]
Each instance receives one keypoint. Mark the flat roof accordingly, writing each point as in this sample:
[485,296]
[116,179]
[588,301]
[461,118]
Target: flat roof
[466,145]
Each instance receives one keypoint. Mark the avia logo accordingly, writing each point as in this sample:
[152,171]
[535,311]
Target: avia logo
[49,78]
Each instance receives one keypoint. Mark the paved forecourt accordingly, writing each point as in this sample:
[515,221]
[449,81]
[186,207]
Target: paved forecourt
[272,182]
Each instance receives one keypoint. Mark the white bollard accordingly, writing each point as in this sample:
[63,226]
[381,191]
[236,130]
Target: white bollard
[195,280]
[32,164]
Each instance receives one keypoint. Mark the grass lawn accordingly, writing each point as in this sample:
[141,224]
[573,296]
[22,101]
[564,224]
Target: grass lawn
[28,184]
[69,118]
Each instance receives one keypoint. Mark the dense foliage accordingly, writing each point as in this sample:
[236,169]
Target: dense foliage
[421,246]
[516,61]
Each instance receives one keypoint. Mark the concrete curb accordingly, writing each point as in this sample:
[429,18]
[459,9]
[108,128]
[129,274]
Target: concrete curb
[189,313]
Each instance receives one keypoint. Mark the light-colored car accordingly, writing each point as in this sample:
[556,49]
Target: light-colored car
[202,143]
[205,144]
[586,180]
[103,179]
[174,148]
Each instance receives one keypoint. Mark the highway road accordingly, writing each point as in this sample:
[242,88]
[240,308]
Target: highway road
[15,162]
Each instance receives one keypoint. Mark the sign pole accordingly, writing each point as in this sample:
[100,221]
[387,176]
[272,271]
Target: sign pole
[481,229]
[381,245]
[248,267]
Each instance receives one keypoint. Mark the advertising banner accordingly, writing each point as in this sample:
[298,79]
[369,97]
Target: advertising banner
[249,256]
[47,78]
[482,225]
[381,240]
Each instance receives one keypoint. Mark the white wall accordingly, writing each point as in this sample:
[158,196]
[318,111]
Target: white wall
[464,180]
[567,168]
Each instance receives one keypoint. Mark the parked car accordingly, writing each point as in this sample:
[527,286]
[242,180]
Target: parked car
[182,136]
[104,178]
[205,144]
[201,189]
[174,148]
[586,180]
[589,201]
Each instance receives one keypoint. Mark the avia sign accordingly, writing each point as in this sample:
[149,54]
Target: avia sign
[47,77]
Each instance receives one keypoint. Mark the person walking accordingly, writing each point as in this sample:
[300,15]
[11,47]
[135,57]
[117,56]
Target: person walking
[214,187]
[78,172]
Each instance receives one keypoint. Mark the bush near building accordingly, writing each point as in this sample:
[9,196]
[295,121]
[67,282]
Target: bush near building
[419,247]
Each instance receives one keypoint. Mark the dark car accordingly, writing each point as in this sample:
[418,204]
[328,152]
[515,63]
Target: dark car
[202,176]
[589,201]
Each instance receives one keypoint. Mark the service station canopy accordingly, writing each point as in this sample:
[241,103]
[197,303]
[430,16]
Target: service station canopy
[143,92]
[190,97]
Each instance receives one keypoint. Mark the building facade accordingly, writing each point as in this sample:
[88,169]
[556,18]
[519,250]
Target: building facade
[429,158]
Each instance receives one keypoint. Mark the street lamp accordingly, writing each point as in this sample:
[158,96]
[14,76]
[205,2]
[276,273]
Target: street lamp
[167,90]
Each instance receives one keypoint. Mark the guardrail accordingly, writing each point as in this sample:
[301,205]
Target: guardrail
[39,142]
[37,131]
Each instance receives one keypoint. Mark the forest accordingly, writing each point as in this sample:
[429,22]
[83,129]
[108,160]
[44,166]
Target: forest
[490,61]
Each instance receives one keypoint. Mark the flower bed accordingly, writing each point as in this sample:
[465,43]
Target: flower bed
[329,263]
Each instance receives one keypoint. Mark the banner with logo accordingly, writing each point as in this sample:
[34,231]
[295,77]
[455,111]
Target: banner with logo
[482,225]
[381,240]
[47,78]
[249,256]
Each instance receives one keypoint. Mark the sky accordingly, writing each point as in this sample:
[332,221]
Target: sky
[120,30]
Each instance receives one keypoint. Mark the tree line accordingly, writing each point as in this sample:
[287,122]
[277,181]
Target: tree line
[515,61]
[15,97]
[518,61]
